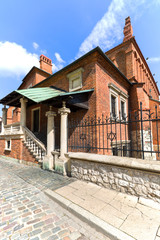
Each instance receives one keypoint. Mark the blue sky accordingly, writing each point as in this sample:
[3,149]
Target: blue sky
[64,30]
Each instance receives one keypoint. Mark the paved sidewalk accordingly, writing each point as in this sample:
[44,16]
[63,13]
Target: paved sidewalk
[117,215]
[26,213]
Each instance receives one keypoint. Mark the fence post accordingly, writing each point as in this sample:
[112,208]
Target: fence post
[157,129]
[142,130]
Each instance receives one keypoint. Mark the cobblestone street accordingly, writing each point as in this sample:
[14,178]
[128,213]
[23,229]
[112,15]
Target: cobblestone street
[27,213]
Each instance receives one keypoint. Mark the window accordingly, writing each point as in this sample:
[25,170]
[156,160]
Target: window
[121,148]
[115,151]
[36,120]
[113,106]
[124,151]
[30,85]
[75,79]
[123,112]
[117,102]
[8,145]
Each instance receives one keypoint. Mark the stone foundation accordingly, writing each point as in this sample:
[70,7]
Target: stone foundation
[132,176]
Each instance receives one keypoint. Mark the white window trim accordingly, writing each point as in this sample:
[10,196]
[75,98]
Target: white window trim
[30,85]
[120,96]
[117,90]
[34,109]
[125,109]
[6,145]
[113,93]
[72,76]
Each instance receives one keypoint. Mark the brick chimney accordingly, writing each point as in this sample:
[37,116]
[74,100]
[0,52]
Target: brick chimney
[45,64]
[128,31]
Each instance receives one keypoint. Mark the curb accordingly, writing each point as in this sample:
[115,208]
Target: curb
[88,217]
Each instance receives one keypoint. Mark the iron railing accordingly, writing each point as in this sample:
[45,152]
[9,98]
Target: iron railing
[136,135]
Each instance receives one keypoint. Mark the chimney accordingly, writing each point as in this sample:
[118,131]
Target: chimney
[128,31]
[45,64]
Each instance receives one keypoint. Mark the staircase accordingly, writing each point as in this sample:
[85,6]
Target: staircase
[34,145]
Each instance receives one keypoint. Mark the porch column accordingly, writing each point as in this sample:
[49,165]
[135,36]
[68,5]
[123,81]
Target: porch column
[48,161]
[23,102]
[63,137]
[61,165]
[4,117]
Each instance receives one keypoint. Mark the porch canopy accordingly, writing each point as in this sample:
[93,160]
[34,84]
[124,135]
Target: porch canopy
[50,96]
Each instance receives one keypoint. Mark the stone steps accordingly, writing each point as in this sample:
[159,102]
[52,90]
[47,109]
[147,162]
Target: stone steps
[33,152]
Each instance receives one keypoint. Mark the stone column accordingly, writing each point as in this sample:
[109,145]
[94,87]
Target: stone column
[23,111]
[48,161]
[61,165]
[63,137]
[4,117]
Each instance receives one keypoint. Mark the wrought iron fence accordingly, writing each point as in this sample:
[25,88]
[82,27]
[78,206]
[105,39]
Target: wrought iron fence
[57,134]
[136,135]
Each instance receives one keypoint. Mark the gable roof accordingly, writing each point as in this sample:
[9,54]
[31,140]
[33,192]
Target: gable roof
[97,49]
[32,70]
[133,40]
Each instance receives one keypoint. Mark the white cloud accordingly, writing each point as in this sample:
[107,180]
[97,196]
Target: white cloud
[108,29]
[15,60]
[58,64]
[59,59]
[44,52]
[154,59]
[35,45]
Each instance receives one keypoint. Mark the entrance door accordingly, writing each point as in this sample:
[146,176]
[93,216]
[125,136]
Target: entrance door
[36,126]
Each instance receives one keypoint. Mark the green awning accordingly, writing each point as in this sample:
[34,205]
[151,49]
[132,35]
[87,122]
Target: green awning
[47,95]
[42,94]
[39,94]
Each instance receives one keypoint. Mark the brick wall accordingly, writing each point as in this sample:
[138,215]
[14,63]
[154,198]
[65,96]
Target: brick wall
[129,59]
[16,148]
[26,155]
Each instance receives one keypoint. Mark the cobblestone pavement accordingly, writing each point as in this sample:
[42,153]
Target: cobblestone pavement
[27,213]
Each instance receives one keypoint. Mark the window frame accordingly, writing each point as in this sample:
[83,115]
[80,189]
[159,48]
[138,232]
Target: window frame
[32,122]
[6,144]
[120,96]
[114,94]
[77,74]
[122,99]
[30,85]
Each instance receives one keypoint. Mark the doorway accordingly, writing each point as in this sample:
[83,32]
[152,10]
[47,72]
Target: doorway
[36,120]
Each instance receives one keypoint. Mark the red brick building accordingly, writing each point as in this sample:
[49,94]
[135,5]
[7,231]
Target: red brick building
[106,85]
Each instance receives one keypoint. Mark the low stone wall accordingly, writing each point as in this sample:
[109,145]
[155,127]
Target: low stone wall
[132,176]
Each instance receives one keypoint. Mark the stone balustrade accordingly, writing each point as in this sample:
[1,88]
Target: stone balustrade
[11,129]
